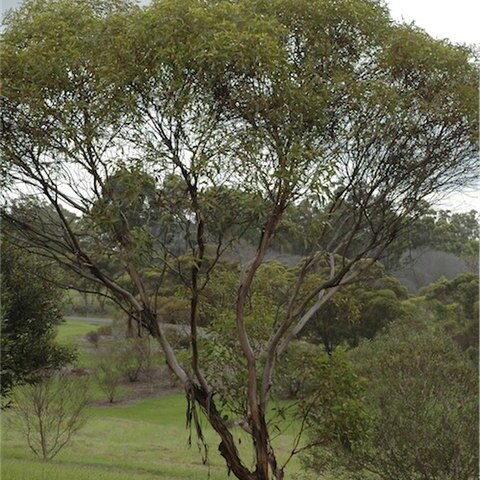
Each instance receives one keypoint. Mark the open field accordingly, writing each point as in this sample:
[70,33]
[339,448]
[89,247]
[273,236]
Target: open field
[140,438]
[144,440]
[73,331]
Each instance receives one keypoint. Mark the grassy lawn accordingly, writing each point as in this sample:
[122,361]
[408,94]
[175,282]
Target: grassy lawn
[72,332]
[143,439]
[146,439]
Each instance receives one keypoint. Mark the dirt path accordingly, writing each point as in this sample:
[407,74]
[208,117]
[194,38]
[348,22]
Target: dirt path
[89,319]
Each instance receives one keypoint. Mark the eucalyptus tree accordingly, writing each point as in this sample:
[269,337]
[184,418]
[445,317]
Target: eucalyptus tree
[268,101]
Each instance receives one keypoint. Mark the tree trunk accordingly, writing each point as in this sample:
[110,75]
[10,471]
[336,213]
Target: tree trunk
[260,440]
[227,448]
[266,464]
[265,459]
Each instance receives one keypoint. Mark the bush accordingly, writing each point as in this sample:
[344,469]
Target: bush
[134,355]
[93,337]
[105,330]
[296,368]
[122,360]
[332,403]
[108,373]
[422,407]
[50,412]
[30,313]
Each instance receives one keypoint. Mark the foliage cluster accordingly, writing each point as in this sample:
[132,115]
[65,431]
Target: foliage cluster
[454,303]
[31,309]
[420,412]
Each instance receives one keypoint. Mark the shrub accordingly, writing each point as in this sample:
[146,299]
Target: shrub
[134,355]
[296,368]
[423,410]
[31,311]
[93,337]
[121,360]
[108,373]
[50,412]
[105,330]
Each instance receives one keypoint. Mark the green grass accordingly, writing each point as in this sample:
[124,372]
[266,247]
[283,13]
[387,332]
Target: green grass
[142,440]
[73,331]
[32,470]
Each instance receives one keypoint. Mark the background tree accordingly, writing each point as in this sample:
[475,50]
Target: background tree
[456,233]
[359,311]
[454,303]
[282,100]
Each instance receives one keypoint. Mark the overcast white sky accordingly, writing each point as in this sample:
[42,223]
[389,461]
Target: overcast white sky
[457,20]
